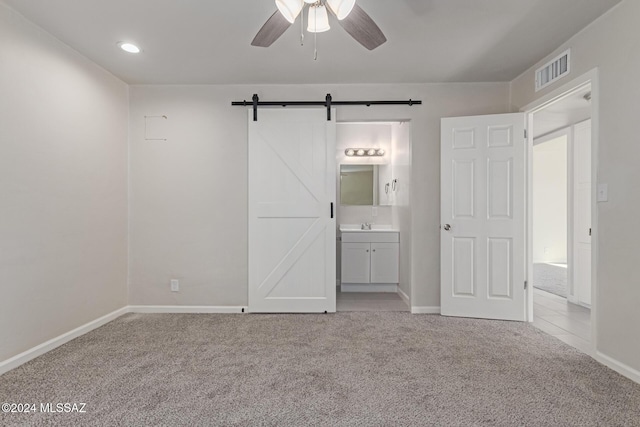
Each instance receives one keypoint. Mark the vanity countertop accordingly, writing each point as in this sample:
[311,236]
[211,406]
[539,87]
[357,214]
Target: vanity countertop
[375,228]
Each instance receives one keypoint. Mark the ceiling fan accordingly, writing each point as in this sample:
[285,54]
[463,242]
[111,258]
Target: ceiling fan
[350,16]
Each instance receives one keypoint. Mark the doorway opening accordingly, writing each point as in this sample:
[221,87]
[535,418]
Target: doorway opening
[560,257]
[373,216]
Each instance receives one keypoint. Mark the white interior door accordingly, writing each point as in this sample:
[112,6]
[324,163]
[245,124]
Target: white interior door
[292,237]
[483,217]
[582,212]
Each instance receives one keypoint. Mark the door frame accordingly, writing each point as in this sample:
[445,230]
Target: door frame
[387,117]
[573,86]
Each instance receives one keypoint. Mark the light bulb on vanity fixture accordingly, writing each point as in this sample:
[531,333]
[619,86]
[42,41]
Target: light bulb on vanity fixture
[370,152]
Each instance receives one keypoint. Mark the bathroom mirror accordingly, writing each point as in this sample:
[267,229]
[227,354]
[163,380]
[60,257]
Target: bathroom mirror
[365,185]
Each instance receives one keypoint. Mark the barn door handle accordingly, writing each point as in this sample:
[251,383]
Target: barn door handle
[331,209]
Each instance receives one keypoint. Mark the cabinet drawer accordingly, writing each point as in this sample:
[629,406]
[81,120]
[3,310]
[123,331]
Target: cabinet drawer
[371,237]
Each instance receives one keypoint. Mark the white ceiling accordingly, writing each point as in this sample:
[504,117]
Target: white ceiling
[570,110]
[208,41]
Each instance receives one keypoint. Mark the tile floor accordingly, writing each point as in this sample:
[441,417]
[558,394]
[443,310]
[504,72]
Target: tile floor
[369,301]
[568,322]
[552,314]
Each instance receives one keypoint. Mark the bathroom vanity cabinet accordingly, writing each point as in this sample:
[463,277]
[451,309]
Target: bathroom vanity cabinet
[370,261]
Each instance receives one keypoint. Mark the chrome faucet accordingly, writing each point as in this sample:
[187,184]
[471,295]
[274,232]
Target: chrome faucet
[365,226]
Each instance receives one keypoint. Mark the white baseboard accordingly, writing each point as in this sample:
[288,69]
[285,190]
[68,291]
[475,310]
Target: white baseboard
[32,353]
[425,310]
[369,287]
[404,296]
[619,367]
[209,309]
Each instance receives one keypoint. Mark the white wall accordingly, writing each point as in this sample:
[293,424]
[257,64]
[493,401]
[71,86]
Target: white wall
[612,45]
[550,201]
[189,194]
[63,188]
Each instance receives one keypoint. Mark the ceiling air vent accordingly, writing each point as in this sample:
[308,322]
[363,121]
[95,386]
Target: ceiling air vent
[553,70]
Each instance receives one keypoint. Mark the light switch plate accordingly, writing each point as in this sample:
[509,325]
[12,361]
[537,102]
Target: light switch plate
[603,193]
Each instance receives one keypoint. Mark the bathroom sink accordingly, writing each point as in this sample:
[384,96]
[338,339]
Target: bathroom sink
[357,228]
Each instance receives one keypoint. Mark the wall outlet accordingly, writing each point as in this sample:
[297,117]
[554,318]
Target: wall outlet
[175,285]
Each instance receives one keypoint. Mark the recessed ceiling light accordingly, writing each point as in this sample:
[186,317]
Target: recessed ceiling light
[129,47]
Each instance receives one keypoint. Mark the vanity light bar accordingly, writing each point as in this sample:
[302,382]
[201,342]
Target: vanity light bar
[362,152]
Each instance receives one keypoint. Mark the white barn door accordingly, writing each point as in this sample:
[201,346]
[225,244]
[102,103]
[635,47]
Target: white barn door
[292,232]
[483,217]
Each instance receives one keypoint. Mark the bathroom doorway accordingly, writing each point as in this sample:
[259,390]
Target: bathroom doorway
[561,189]
[373,244]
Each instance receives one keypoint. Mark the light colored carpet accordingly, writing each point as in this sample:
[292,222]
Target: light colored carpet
[550,278]
[346,369]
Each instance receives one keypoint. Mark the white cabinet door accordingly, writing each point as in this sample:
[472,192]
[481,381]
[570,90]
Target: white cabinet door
[356,262]
[384,262]
[482,213]
[292,232]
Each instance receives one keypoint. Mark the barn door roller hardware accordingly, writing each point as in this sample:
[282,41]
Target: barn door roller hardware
[328,102]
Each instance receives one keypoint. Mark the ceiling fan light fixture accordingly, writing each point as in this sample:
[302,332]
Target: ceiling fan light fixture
[318,19]
[290,9]
[341,8]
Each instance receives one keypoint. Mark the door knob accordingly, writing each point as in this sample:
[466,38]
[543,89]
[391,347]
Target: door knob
[447,227]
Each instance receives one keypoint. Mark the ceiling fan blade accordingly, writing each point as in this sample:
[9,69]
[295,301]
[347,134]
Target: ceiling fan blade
[271,30]
[362,28]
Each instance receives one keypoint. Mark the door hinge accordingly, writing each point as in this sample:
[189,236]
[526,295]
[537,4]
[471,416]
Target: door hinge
[589,232]
[331,209]
[526,284]
[525,134]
